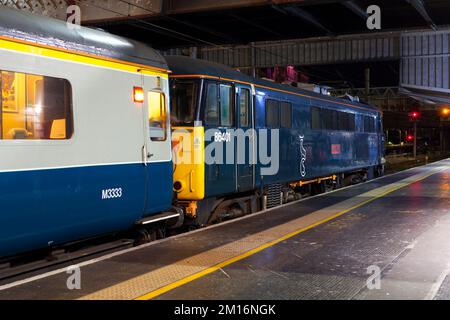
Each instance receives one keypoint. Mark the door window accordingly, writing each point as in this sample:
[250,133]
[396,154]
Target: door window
[226,105]
[244,107]
[157,116]
[212,105]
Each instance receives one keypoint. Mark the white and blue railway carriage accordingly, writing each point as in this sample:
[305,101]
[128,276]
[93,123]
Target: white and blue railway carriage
[84,134]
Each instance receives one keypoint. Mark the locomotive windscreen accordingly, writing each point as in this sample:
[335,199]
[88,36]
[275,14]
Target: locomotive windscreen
[183,102]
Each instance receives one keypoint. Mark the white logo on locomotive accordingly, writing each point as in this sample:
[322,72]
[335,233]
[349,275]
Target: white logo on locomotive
[302,157]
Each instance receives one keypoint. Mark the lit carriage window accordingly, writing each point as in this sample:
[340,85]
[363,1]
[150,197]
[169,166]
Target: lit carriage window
[35,107]
[157,116]
[226,105]
[286,115]
[244,107]
[272,114]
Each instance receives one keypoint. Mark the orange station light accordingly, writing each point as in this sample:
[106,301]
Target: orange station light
[138,94]
[446,112]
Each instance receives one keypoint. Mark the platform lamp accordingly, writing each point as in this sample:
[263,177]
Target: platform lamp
[414,116]
[445,114]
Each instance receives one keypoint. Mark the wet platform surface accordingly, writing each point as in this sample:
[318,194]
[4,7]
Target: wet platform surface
[385,239]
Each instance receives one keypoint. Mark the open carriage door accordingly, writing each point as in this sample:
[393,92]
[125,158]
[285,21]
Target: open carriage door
[156,151]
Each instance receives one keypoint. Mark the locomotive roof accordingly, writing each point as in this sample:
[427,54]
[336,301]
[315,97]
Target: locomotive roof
[39,30]
[181,65]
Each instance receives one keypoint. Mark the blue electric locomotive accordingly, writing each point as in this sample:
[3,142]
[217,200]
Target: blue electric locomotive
[302,141]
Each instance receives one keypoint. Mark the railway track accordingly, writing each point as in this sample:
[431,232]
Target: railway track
[16,269]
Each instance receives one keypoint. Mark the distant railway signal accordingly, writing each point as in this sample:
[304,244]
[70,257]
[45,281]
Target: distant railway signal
[414,115]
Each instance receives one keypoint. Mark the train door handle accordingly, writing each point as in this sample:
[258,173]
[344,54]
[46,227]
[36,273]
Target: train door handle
[146,155]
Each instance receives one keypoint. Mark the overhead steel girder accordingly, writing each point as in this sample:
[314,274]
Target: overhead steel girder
[421,9]
[351,5]
[91,10]
[313,51]
[183,6]
[254,24]
[304,15]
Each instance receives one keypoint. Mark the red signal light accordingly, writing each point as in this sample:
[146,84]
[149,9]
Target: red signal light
[414,115]
[409,137]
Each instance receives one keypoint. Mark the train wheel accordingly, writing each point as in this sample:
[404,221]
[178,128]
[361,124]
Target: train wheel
[144,235]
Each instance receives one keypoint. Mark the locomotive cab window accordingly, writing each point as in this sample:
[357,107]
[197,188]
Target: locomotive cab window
[35,107]
[157,117]
[183,102]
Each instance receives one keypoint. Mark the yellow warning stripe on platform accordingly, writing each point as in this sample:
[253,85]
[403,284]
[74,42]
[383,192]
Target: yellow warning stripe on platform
[166,278]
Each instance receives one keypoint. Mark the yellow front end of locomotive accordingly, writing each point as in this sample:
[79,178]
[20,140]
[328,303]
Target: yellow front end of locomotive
[189,165]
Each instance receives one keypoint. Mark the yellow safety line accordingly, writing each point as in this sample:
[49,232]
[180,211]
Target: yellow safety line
[225,263]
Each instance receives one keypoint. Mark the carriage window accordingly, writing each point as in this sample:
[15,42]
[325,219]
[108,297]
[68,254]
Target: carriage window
[183,102]
[244,107]
[351,122]
[369,124]
[286,114]
[226,105]
[315,118]
[272,114]
[35,107]
[330,119]
[346,121]
[325,119]
[157,118]
[212,105]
